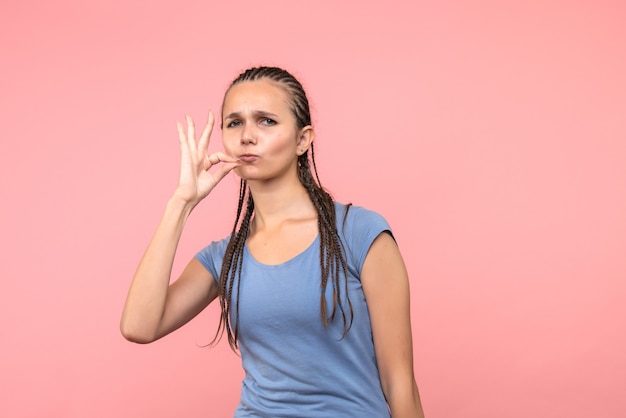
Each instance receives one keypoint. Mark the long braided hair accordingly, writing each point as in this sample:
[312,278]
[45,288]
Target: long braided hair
[332,259]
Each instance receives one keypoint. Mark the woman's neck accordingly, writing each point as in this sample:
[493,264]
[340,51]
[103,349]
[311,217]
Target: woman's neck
[274,205]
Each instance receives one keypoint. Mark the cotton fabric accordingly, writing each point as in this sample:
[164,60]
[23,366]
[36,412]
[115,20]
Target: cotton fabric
[294,367]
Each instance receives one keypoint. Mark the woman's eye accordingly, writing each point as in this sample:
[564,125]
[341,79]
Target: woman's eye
[233,124]
[268,121]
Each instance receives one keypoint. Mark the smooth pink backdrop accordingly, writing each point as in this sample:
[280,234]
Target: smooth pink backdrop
[491,134]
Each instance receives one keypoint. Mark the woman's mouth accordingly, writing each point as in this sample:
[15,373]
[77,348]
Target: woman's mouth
[248,158]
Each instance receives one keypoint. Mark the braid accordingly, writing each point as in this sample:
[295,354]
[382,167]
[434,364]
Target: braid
[332,253]
[332,260]
[231,267]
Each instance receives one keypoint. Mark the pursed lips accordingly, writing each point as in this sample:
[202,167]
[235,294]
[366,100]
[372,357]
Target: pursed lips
[248,158]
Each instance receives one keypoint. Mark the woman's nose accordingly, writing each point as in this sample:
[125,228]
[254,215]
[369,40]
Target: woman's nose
[247,137]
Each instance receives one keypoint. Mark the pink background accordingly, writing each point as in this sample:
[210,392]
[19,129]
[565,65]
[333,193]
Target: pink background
[491,135]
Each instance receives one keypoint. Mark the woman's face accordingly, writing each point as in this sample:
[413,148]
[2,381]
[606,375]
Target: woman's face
[260,129]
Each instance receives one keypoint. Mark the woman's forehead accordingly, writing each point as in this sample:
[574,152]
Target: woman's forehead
[258,95]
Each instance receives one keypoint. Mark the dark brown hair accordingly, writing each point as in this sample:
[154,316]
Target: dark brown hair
[332,258]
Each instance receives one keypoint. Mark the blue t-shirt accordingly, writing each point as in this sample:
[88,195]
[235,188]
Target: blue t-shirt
[294,367]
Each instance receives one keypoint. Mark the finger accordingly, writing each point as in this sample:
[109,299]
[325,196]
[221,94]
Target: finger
[224,169]
[191,133]
[184,145]
[203,144]
[182,139]
[181,133]
[218,157]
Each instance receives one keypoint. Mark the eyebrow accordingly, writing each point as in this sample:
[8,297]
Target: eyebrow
[257,113]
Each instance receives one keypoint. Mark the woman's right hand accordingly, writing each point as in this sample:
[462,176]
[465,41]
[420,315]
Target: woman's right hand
[195,181]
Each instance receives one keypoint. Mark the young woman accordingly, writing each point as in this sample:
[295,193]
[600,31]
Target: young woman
[313,293]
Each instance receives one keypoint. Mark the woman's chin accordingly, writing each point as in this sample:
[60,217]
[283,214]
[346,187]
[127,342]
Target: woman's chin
[246,173]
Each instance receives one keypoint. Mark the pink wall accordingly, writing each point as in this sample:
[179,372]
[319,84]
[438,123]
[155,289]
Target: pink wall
[491,134]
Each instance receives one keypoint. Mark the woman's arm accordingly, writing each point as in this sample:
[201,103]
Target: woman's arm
[153,307]
[386,286]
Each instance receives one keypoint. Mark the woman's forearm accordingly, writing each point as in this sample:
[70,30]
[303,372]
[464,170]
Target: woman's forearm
[147,295]
[405,403]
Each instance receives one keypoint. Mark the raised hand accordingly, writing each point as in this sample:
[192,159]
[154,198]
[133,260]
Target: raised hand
[195,181]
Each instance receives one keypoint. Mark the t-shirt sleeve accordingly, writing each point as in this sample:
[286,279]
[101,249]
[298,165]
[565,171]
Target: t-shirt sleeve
[211,257]
[361,228]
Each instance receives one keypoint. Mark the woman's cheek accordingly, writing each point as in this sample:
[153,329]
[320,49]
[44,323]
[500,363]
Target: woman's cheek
[228,149]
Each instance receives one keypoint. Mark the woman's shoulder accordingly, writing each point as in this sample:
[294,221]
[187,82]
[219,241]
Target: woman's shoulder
[358,227]
[214,250]
[348,212]
[357,222]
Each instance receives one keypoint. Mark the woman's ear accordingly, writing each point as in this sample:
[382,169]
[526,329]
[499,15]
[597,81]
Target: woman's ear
[305,139]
